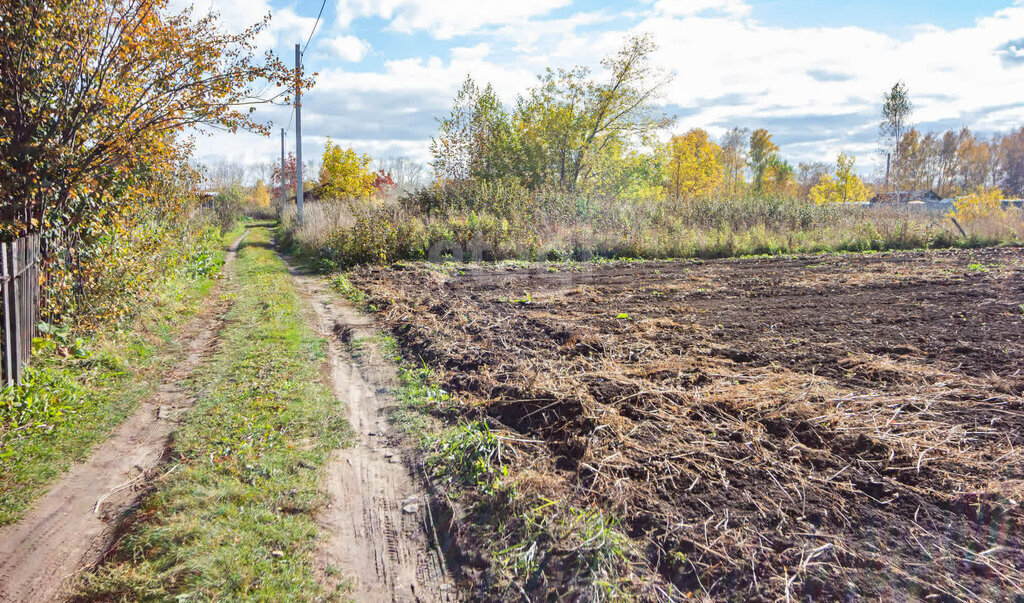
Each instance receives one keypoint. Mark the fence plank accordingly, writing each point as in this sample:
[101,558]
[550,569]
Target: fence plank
[5,270]
[20,300]
[16,309]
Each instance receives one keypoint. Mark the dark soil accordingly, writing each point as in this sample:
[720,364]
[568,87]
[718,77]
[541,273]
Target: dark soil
[823,427]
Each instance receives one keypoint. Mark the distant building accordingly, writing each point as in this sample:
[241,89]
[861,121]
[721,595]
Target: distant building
[207,198]
[313,193]
[906,197]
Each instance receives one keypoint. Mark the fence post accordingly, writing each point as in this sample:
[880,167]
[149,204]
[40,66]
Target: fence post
[20,299]
[5,273]
[13,318]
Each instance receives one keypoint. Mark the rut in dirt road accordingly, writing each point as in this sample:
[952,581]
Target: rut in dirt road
[74,523]
[377,524]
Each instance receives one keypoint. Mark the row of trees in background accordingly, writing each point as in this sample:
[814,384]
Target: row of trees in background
[583,135]
[953,162]
[339,173]
[578,166]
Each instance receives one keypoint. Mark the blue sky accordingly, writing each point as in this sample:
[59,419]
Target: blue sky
[811,72]
[894,17]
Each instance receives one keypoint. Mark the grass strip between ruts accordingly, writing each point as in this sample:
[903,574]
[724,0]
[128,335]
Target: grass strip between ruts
[232,516]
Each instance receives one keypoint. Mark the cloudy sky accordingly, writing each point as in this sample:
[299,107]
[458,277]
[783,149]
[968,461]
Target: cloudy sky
[810,71]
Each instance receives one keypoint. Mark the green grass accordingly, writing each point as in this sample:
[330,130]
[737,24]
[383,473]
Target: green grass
[468,454]
[596,553]
[76,391]
[342,285]
[385,345]
[233,516]
[418,401]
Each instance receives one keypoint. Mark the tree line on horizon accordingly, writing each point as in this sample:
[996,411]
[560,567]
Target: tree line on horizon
[588,135]
[585,135]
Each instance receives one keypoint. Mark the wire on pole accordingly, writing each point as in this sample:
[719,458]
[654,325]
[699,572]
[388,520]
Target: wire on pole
[322,4]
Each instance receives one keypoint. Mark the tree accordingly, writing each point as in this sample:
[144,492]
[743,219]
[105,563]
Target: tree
[289,175]
[981,203]
[947,163]
[918,160]
[407,174]
[1011,160]
[382,182]
[896,108]
[846,187]
[735,149]
[260,196]
[590,114]
[98,89]
[468,144]
[624,173]
[973,161]
[779,177]
[561,130]
[263,170]
[224,174]
[763,154]
[344,174]
[809,175]
[563,125]
[692,167]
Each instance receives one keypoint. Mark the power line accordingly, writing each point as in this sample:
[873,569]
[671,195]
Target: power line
[322,4]
[306,45]
[292,115]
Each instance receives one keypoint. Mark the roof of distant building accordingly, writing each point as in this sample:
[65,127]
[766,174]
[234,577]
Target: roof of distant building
[906,196]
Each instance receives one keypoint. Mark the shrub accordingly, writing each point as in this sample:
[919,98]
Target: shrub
[982,203]
[473,221]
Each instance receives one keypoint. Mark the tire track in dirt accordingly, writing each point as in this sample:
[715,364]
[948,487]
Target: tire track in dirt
[378,520]
[74,524]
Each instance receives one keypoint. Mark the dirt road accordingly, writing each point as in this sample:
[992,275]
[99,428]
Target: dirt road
[75,522]
[375,530]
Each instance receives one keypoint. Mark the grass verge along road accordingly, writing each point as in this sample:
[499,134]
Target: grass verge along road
[232,515]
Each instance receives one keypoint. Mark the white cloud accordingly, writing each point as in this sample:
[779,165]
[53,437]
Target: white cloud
[686,8]
[817,88]
[284,29]
[348,48]
[825,77]
[446,19]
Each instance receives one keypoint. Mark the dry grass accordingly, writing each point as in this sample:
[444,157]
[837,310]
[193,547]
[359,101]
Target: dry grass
[747,453]
[344,233]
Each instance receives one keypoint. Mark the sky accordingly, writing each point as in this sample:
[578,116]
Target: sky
[812,72]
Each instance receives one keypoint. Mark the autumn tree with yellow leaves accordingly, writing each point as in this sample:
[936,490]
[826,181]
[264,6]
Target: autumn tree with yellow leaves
[95,96]
[762,155]
[978,204]
[94,91]
[692,165]
[846,187]
[345,174]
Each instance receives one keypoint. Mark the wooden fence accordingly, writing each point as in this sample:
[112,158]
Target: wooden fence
[19,271]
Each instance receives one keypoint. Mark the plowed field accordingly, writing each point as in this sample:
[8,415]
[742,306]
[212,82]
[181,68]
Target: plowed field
[817,427]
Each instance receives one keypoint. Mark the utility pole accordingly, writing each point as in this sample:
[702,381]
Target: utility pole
[298,132]
[284,194]
[888,161]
